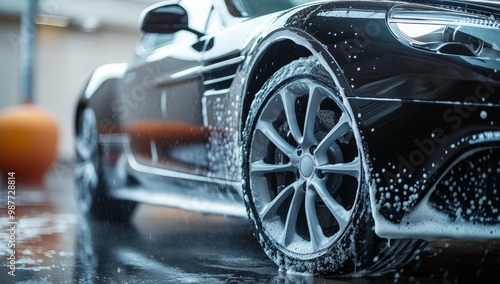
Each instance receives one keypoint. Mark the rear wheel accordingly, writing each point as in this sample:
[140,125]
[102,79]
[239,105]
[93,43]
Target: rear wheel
[92,193]
[305,187]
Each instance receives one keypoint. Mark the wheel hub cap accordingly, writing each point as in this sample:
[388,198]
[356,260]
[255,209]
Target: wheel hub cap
[307,167]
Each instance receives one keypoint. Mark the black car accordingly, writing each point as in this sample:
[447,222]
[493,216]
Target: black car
[349,132]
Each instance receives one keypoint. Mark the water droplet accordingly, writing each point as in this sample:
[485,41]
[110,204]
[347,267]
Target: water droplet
[484,114]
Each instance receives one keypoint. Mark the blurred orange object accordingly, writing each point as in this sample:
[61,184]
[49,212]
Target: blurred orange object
[28,143]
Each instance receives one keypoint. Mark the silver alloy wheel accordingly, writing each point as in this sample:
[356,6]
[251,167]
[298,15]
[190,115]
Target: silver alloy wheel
[86,170]
[304,167]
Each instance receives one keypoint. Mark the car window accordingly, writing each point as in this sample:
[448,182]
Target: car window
[150,41]
[214,22]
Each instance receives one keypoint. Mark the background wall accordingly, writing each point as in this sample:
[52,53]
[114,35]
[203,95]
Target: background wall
[66,56]
[9,65]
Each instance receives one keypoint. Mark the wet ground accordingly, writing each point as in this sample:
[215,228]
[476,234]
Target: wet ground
[53,244]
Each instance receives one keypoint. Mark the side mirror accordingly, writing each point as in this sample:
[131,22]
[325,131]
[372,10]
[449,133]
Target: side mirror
[165,19]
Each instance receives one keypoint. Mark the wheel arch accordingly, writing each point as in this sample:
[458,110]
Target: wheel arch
[270,60]
[79,109]
[268,57]
[101,94]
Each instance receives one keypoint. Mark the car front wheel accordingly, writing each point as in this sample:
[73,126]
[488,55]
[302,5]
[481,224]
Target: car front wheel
[304,183]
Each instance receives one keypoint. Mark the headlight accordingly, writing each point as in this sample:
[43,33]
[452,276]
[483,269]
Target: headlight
[446,31]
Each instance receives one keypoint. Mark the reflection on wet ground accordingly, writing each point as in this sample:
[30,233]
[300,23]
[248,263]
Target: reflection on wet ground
[162,245]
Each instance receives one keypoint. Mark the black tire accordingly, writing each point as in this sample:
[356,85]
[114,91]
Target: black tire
[92,193]
[304,179]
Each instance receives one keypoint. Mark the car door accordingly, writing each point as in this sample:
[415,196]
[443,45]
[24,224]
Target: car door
[161,91]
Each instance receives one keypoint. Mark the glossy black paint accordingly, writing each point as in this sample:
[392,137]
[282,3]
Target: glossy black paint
[416,109]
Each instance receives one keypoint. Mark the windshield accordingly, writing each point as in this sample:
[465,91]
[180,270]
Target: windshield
[251,8]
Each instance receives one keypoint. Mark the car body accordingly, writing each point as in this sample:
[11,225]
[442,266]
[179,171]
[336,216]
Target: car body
[350,132]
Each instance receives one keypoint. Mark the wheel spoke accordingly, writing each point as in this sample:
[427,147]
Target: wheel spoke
[342,127]
[86,141]
[80,169]
[263,167]
[289,99]
[86,172]
[315,231]
[82,149]
[313,104]
[291,218]
[338,212]
[270,210]
[351,168]
[268,130]
[82,175]
[83,181]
